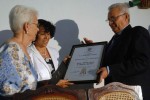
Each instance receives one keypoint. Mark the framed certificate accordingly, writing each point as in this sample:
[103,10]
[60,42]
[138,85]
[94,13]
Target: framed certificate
[84,63]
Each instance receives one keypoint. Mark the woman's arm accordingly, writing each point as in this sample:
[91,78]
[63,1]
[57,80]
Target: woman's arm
[15,74]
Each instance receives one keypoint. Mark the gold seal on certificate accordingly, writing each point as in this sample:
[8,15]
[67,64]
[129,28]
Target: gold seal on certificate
[84,63]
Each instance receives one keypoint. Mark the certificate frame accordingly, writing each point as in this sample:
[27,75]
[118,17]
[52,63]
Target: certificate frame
[85,60]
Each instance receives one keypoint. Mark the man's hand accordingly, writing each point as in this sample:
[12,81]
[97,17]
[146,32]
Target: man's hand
[87,41]
[103,73]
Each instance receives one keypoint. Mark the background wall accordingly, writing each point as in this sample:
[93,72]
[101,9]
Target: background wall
[74,19]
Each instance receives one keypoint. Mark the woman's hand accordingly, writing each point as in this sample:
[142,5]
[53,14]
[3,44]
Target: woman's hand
[64,83]
[66,59]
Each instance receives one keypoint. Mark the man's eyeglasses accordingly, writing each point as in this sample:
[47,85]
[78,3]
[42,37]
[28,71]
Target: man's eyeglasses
[113,19]
[36,24]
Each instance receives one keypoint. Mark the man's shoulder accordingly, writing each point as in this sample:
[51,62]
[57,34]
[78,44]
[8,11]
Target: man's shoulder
[139,27]
[139,30]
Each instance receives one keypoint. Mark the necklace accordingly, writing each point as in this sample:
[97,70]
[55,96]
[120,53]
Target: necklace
[43,53]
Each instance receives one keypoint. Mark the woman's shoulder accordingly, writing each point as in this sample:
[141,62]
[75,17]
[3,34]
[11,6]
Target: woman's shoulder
[32,49]
[8,46]
[52,49]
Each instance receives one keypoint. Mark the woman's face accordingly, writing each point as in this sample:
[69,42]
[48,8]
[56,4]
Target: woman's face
[33,29]
[43,37]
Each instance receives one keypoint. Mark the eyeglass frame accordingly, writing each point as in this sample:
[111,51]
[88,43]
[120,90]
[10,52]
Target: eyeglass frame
[113,19]
[35,24]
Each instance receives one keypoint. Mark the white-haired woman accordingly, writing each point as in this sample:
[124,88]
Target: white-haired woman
[16,71]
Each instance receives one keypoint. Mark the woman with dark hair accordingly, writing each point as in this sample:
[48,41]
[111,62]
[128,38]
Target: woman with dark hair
[44,58]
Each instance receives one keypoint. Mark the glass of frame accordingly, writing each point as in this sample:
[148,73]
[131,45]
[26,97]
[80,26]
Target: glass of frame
[84,63]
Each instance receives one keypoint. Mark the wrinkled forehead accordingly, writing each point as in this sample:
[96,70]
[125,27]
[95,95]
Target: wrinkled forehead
[114,12]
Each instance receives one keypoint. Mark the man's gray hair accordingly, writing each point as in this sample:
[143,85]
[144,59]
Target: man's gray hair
[19,15]
[123,7]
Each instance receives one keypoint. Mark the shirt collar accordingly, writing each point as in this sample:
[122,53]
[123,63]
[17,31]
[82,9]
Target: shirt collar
[119,33]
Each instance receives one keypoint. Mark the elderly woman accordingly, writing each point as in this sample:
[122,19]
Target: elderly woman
[45,58]
[16,71]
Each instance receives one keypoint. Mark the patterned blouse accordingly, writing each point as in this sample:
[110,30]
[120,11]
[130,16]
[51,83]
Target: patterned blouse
[16,71]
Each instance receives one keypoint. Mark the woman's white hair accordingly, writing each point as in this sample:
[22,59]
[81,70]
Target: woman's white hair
[19,15]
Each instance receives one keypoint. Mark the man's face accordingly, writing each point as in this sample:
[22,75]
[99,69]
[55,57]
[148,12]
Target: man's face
[117,20]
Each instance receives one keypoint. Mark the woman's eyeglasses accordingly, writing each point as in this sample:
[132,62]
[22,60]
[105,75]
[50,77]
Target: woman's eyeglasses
[36,24]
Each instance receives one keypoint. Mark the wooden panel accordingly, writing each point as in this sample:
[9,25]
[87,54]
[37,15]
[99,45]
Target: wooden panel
[145,4]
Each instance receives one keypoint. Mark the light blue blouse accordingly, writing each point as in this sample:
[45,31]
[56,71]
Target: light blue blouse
[16,71]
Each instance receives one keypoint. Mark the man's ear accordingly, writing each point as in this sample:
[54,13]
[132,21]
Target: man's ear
[127,16]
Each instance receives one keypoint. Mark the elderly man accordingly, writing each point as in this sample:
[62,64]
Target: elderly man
[127,56]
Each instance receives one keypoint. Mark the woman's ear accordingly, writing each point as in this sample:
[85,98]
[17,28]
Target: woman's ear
[26,27]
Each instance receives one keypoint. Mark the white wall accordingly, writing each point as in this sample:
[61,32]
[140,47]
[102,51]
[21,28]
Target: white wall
[74,19]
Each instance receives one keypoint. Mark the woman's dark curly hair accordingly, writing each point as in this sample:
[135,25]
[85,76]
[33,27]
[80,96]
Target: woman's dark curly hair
[48,26]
